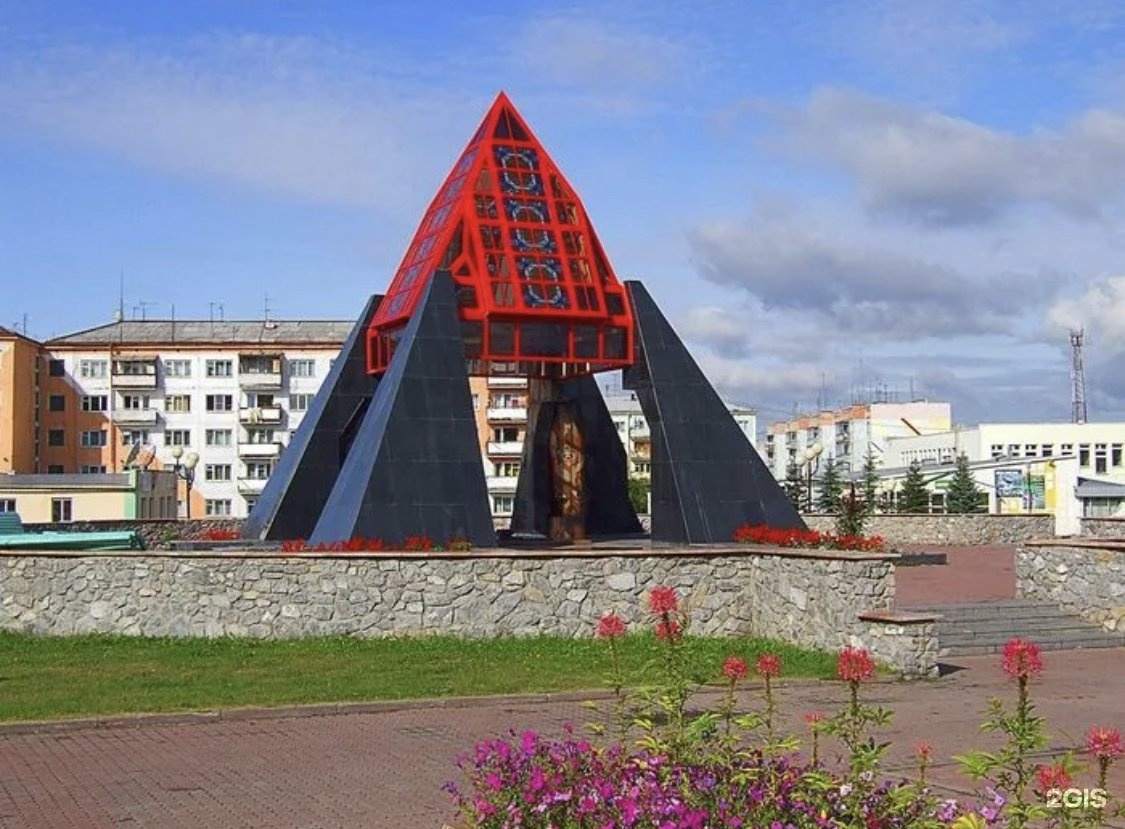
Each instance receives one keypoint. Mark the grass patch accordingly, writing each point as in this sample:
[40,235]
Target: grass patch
[48,678]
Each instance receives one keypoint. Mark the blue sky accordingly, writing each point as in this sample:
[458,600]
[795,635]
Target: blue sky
[827,198]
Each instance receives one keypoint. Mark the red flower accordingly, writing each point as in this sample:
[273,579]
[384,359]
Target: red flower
[1052,777]
[924,750]
[669,631]
[1104,743]
[855,665]
[769,664]
[662,600]
[610,626]
[813,717]
[1022,659]
[735,669]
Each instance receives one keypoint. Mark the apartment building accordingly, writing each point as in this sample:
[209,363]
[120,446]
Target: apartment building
[848,434]
[19,412]
[230,392]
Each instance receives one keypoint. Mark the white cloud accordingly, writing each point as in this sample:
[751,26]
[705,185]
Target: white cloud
[943,170]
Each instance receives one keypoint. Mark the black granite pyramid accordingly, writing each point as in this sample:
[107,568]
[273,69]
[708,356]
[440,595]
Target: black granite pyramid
[415,466]
[707,478]
[294,495]
[605,476]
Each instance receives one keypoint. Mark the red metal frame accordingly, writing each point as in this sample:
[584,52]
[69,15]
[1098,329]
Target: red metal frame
[537,295]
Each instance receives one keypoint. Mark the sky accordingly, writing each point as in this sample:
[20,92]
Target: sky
[832,201]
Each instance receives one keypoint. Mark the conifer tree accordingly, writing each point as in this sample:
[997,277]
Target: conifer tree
[869,483]
[831,489]
[914,496]
[794,486]
[963,494]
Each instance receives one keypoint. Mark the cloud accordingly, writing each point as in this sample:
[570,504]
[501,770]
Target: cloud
[717,328]
[788,264]
[942,170]
[296,116]
[1100,311]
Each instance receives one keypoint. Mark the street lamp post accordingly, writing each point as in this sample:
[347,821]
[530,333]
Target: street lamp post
[185,471]
[812,463]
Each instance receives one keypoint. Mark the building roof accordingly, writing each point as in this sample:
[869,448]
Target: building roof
[1093,488]
[15,335]
[206,332]
[65,481]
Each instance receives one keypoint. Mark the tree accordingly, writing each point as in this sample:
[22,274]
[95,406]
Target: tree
[638,494]
[831,488]
[915,497]
[963,494]
[794,485]
[853,513]
[869,483]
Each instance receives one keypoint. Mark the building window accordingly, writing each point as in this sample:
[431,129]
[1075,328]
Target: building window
[177,368]
[1067,448]
[476,402]
[503,504]
[1030,450]
[302,368]
[505,434]
[95,403]
[92,369]
[220,368]
[217,437]
[300,402]
[54,469]
[134,436]
[216,472]
[508,469]
[217,506]
[1084,454]
[56,368]
[219,403]
[7,504]
[56,437]
[259,436]
[643,468]
[61,510]
[135,402]
[88,469]
[92,438]
[178,403]
[56,403]
[258,470]
[1048,450]
[177,437]
[251,502]
[1115,456]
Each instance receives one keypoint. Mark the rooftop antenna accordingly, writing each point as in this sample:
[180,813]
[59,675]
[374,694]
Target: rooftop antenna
[211,307]
[121,297]
[267,322]
[1078,411]
[173,322]
[143,305]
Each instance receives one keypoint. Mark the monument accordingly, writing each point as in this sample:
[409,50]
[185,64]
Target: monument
[506,276]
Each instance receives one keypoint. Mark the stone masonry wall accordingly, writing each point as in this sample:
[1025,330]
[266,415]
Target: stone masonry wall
[948,529]
[808,599]
[1084,578]
[1103,528]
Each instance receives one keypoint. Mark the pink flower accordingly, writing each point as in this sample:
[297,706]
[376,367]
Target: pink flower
[1104,743]
[813,717]
[855,665]
[768,664]
[1051,777]
[610,626]
[663,600]
[735,669]
[669,631]
[924,750]
[1021,659]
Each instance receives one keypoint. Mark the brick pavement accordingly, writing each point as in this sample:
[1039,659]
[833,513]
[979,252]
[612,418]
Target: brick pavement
[385,769]
[971,574]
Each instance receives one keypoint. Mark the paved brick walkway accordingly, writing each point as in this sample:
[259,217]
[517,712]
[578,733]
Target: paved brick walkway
[971,574]
[385,769]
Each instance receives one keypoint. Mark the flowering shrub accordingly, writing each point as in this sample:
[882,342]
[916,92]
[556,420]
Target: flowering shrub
[668,770]
[360,544]
[221,535]
[777,537]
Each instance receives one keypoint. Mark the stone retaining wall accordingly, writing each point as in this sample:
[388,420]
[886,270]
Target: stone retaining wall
[948,529]
[157,535]
[1103,528]
[1086,578]
[805,597]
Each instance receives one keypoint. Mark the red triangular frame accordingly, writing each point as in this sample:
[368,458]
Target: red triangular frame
[537,295]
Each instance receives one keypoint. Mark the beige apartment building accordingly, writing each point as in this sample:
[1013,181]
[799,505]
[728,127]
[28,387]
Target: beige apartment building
[19,413]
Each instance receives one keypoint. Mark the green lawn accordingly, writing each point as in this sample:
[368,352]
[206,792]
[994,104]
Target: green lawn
[43,678]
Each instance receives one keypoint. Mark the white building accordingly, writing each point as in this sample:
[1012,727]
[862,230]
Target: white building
[848,434]
[229,392]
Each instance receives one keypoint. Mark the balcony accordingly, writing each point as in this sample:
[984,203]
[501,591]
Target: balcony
[259,450]
[507,382]
[135,417]
[260,379]
[259,414]
[134,374]
[499,485]
[507,414]
[251,486]
[639,431]
[505,447]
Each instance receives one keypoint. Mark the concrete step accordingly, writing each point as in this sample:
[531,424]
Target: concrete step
[985,650]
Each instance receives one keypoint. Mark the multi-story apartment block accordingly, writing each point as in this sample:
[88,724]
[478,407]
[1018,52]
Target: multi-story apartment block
[19,402]
[229,392]
[848,434]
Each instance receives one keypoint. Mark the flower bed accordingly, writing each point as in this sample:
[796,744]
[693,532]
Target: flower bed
[664,769]
[360,544]
[811,539]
